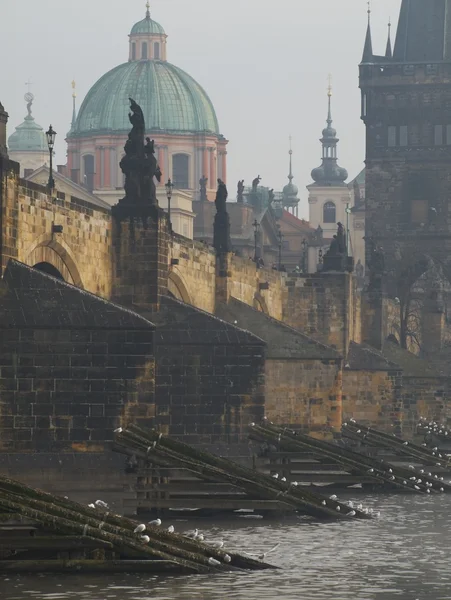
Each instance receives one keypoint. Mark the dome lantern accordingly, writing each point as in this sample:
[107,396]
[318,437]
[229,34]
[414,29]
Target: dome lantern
[147,39]
[329,173]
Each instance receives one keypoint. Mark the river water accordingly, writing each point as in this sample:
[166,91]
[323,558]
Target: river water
[405,554]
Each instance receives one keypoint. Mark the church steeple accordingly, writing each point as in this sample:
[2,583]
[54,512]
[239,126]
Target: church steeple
[329,173]
[290,191]
[368,48]
[424,31]
[388,50]
[74,105]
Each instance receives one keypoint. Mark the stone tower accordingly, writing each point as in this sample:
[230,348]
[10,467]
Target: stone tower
[3,122]
[406,108]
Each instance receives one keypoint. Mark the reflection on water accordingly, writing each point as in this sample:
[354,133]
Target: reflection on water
[406,554]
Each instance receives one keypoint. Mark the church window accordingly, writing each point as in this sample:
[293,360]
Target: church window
[329,213]
[180,171]
[133,51]
[156,51]
[144,51]
[403,139]
[88,171]
[391,136]
[448,135]
[438,135]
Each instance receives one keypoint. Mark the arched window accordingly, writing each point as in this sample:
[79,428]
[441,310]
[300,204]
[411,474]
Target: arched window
[133,51]
[88,171]
[180,171]
[156,51]
[329,213]
[144,51]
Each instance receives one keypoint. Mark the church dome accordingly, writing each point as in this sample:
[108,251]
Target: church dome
[147,27]
[29,136]
[290,190]
[171,101]
[329,173]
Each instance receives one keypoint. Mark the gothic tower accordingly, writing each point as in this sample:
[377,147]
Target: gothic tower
[406,108]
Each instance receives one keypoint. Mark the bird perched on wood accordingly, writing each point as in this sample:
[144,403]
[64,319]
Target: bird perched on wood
[118,430]
[192,535]
[145,539]
[91,505]
[155,523]
[227,559]
[213,562]
[217,545]
[351,514]
[171,529]
[101,504]
[333,497]
[140,529]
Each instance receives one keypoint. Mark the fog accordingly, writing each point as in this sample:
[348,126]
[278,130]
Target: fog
[264,64]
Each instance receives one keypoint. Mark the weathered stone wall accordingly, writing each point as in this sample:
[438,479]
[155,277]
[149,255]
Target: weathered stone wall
[321,305]
[304,394]
[210,380]
[72,366]
[81,253]
[424,397]
[192,280]
[372,397]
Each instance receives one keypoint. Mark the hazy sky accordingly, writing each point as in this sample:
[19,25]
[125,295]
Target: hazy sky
[264,64]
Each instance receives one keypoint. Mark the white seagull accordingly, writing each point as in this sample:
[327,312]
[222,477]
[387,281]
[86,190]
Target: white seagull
[155,523]
[171,529]
[140,529]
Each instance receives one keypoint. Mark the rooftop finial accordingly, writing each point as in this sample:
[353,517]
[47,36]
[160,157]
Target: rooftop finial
[389,51]
[368,48]
[369,11]
[148,9]
[290,176]
[329,96]
[74,106]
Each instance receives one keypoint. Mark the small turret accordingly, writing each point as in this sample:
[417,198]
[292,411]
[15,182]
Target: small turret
[3,123]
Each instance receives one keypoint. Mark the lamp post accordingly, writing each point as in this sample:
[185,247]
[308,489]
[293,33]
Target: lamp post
[304,256]
[280,236]
[169,187]
[256,226]
[348,212]
[51,135]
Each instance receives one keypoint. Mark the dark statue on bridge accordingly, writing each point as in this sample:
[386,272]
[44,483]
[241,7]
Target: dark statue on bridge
[140,168]
[240,192]
[221,236]
[336,258]
[203,188]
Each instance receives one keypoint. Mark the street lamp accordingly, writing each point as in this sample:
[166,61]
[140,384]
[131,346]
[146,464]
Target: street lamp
[280,236]
[169,187]
[256,226]
[51,135]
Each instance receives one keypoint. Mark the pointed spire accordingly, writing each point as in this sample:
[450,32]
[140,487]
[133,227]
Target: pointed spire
[148,9]
[368,49]
[74,103]
[329,96]
[290,176]
[388,51]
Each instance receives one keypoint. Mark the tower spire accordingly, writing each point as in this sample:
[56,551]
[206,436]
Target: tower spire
[74,104]
[147,9]
[329,97]
[388,51]
[290,176]
[368,48]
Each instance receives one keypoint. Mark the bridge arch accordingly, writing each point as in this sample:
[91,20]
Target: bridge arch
[177,288]
[57,255]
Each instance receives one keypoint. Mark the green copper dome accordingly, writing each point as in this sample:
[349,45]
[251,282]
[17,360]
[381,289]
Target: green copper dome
[28,137]
[147,27]
[170,99]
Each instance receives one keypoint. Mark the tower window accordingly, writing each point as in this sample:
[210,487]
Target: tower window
[391,136]
[88,171]
[133,51]
[403,139]
[329,213]
[156,51]
[180,171]
[438,135]
[144,51]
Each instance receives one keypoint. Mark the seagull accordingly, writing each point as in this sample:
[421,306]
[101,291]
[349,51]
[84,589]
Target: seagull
[101,504]
[283,479]
[359,431]
[265,554]
[140,529]
[411,467]
[323,503]
[155,523]
[171,529]
[416,487]
[434,449]
[390,470]
[276,476]
[359,506]
[350,504]
[334,497]
[216,545]
[145,539]
[227,559]
[405,482]
[200,537]
[192,535]
[91,505]
[419,481]
[370,471]
[213,562]
[351,514]
[338,508]
[392,478]
[118,430]
[406,444]
[428,491]
[441,489]
[412,478]
[421,471]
